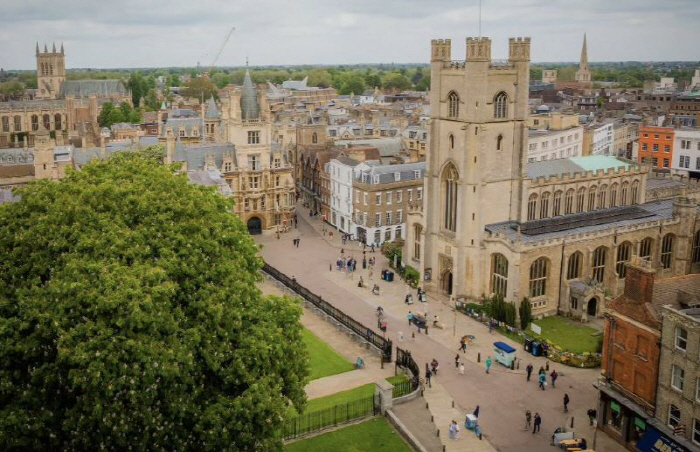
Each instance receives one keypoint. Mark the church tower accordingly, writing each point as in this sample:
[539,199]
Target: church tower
[475,162]
[583,75]
[50,71]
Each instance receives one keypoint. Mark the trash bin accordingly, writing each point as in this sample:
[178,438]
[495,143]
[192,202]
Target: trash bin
[384,272]
[527,344]
[470,422]
[390,276]
[536,348]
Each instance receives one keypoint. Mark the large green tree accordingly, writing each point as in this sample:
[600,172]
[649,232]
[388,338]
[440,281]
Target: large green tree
[130,318]
[200,88]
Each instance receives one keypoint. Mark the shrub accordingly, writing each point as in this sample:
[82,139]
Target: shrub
[525,313]
[411,275]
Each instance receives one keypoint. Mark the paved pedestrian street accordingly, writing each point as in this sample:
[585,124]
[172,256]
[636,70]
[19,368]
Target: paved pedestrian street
[503,395]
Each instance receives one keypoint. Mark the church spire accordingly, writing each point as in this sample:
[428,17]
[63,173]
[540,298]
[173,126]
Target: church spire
[54,47]
[62,49]
[37,47]
[249,99]
[584,54]
[46,49]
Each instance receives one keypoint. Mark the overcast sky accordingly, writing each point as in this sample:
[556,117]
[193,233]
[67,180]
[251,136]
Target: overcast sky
[152,33]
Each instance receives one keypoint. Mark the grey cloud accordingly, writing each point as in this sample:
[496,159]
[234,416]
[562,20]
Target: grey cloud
[124,33]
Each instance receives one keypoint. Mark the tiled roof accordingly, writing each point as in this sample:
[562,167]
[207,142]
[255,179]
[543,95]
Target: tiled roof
[195,154]
[100,88]
[573,165]
[656,210]
[388,147]
[387,173]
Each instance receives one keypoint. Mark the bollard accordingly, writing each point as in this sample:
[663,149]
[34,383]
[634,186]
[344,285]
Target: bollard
[432,418]
[444,448]
[547,366]
[453,404]
[478,357]
[426,405]
[512,365]
[438,432]
[518,364]
[572,422]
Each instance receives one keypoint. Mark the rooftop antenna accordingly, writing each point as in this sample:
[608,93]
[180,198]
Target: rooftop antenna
[479,19]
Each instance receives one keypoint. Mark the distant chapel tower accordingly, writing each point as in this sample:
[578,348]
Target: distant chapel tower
[50,71]
[583,75]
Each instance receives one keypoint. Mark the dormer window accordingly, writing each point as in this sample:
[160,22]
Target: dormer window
[397,177]
[416,174]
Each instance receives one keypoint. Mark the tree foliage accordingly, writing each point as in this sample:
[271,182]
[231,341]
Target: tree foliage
[130,318]
[396,82]
[200,88]
[110,114]
[525,313]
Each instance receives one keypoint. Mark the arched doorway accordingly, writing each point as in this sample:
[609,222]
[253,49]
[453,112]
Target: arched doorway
[592,309]
[254,226]
[447,282]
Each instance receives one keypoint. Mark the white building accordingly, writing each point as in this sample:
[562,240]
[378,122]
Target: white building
[686,150]
[554,144]
[603,139]
[340,172]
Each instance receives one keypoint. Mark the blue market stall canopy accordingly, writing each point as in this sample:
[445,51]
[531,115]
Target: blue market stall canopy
[503,346]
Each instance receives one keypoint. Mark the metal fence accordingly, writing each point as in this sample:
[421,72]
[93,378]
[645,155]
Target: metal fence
[339,414]
[382,344]
[406,361]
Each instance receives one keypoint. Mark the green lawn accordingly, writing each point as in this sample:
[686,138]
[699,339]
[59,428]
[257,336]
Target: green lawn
[375,435]
[568,335]
[323,360]
[343,397]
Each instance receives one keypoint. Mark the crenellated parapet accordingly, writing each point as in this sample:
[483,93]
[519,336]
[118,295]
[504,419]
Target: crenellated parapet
[519,49]
[441,50]
[479,49]
[580,176]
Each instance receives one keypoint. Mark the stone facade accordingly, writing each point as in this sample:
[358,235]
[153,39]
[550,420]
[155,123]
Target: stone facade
[678,400]
[558,232]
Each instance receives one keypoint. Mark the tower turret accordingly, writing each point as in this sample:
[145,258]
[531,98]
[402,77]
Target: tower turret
[250,109]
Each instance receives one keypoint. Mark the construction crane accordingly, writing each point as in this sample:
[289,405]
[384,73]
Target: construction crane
[221,49]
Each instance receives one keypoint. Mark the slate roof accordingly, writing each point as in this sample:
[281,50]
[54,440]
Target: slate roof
[188,124]
[388,147]
[36,104]
[576,223]
[195,154]
[573,165]
[296,84]
[100,88]
[387,173]
[16,155]
[249,99]
[212,111]
[210,178]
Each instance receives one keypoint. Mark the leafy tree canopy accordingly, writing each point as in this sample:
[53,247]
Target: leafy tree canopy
[110,114]
[130,318]
[200,88]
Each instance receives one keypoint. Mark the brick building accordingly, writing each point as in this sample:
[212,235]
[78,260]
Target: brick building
[629,399]
[656,146]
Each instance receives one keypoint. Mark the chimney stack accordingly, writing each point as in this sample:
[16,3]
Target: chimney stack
[639,281]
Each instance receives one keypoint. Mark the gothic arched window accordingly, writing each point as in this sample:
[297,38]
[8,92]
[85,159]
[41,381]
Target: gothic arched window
[667,250]
[556,204]
[623,193]
[538,278]
[569,201]
[500,105]
[623,256]
[613,195]
[635,192]
[314,138]
[57,121]
[417,230]
[451,141]
[573,270]
[580,199]
[696,248]
[499,274]
[452,105]
[544,205]
[645,248]
[532,207]
[591,198]
[47,122]
[598,267]
[449,186]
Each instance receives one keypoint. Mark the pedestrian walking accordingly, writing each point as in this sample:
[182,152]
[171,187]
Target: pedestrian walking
[454,430]
[541,371]
[461,368]
[566,402]
[428,375]
[373,247]
[528,420]
[457,361]
[592,414]
[463,345]
[554,377]
[529,371]
[542,381]
[488,364]
[538,423]
[434,366]
[409,317]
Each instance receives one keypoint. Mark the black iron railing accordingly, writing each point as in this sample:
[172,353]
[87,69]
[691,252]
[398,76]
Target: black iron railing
[339,414]
[406,362]
[382,344]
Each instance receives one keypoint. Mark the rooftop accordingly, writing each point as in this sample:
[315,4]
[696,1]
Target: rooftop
[573,165]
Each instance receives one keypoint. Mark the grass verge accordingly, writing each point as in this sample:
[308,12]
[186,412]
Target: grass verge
[375,435]
[323,360]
